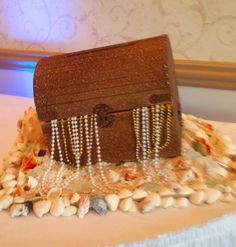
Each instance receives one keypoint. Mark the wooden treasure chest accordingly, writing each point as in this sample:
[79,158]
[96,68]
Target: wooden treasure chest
[129,88]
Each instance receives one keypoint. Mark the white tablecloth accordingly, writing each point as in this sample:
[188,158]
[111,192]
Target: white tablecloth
[213,225]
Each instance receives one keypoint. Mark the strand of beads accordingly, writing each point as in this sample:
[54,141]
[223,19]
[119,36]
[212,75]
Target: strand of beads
[157,137]
[65,142]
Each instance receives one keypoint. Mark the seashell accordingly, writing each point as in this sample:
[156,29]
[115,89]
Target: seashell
[166,192]
[198,197]
[181,202]
[32,182]
[57,207]
[126,204]
[99,205]
[8,191]
[150,202]
[133,208]
[17,210]
[84,205]
[9,184]
[184,191]
[66,201]
[19,199]
[154,198]
[197,185]
[53,193]
[186,176]
[69,211]
[7,177]
[167,202]
[5,202]
[227,197]
[41,208]
[112,201]
[212,195]
[139,194]
[125,193]
[113,176]
[21,179]
[75,198]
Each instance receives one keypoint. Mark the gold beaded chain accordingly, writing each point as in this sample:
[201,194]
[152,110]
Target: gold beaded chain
[65,142]
[161,126]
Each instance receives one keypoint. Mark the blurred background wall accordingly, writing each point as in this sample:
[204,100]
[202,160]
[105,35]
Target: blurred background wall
[198,30]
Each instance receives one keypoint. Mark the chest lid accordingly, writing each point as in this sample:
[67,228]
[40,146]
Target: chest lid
[122,77]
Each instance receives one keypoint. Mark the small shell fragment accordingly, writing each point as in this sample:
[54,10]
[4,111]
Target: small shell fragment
[57,207]
[125,193]
[126,204]
[69,211]
[41,208]
[184,191]
[21,179]
[139,194]
[7,177]
[166,192]
[84,205]
[112,201]
[53,193]
[9,184]
[32,182]
[167,202]
[212,195]
[198,197]
[99,205]
[17,210]
[75,198]
[5,202]
[227,197]
[181,202]
[149,203]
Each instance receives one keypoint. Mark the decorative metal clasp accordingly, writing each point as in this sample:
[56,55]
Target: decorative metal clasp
[104,117]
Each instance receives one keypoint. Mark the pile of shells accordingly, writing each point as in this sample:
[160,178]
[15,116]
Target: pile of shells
[139,200]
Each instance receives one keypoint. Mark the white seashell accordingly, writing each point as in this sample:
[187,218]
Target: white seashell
[212,195]
[112,201]
[184,191]
[146,206]
[153,198]
[41,208]
[227,197]
[125,193]
[17,210]
[21,179]
[198,197]
[19,199]
[181,202]
[84,205]
[66,201]
[126,204]
[75,198]
[57,207]
[69,211]
[139,194]
[53,193]
[9,184]
[113,176]
[197,185]
[7,177]
[5,202]
[32,182]
[166,192]
[167,202]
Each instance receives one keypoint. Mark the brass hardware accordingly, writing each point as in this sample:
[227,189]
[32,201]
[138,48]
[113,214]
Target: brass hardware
[104,118]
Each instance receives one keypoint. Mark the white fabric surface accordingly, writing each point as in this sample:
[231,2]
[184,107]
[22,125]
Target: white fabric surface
[191,227]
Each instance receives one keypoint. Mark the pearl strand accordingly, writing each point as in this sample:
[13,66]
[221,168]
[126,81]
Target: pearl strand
[158,136]
[144,137]
[43,181]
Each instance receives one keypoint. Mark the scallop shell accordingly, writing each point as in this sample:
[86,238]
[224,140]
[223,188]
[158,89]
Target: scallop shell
[198,197]
[167,202]
[212,195]
[41,208]
[84,205]
[125,193]
[112,201]
[139,194]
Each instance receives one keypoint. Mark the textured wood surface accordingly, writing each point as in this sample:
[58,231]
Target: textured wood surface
[123,77]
